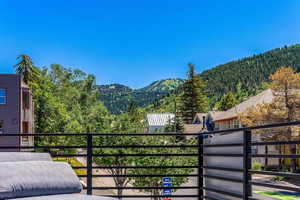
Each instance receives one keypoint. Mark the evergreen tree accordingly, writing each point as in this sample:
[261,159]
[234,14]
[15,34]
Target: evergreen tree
[240,94]
[175,125]
[193,98]
[26,69]
[227,101]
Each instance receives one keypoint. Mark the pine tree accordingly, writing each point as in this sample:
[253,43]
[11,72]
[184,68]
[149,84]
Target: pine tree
[228,101]
[26,69]
[193,98]
[174,125]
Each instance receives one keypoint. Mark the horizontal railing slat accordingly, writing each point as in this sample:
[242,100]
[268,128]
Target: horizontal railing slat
[136,167]
[276,155]
[145,188]
[223,178]
[284,174]
[275,143]
[143,175]
[145,154]
[295,189]
[153,196]
[223,192]
[223,168]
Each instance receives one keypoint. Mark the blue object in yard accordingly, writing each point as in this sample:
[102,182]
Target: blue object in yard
[167,179]
[167,184]
[167,192]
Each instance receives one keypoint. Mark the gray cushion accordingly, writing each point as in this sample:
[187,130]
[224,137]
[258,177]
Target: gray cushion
[67,197]
[23,156]
[37,178]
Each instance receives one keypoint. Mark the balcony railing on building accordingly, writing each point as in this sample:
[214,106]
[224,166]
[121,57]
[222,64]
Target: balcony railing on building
[219,163]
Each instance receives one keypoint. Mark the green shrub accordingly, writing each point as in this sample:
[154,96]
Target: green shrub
[256,166]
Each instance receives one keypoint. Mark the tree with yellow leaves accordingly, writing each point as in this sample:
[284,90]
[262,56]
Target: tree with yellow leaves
[285,107]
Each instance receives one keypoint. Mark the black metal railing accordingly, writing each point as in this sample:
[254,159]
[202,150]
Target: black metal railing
[198,188]
[247,157]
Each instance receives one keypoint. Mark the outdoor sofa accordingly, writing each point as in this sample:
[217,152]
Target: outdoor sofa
[34,176]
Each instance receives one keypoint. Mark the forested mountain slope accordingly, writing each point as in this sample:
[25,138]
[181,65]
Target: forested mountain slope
[117,97]
[250,72]
[247,74]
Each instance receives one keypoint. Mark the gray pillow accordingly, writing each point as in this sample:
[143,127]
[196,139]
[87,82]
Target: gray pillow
[35,178]
[23,156]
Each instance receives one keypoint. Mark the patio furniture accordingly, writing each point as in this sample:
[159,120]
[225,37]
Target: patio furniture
[34,176]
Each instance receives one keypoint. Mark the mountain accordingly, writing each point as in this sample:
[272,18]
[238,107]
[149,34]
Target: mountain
[250,72]
[247,75]
[117,97]
[162,85]
[114,88]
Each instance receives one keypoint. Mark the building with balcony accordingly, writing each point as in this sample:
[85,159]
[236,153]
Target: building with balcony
[16,111]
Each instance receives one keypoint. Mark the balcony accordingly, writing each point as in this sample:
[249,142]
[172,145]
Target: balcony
[167,166]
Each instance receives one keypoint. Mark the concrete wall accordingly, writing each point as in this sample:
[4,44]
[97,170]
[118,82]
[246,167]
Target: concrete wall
[10,112]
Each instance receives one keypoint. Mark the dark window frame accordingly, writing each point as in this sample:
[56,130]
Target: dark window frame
[25,125]
[1,126]
[26,102]
[5,96]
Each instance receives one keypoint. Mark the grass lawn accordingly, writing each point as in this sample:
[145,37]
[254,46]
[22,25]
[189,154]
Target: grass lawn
[73,162]
[279,195]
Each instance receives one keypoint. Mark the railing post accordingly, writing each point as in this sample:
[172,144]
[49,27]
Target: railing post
[200,166]
[89,162]
[246,164]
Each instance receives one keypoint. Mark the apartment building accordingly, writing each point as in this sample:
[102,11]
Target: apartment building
[16,112]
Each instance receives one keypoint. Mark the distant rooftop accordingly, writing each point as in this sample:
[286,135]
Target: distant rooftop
[263,97]
[159,119]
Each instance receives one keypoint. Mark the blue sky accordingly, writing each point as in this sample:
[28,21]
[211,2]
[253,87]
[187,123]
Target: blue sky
[135,42]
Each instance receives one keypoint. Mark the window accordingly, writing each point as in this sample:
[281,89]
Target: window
[25,127]
[217,126]
[26,97]
[227,126]
[3,96]
[236,124]
[1,126]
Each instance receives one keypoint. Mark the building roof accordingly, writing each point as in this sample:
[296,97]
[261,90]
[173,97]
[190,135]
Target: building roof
[192,128]
[9,74]
[216,114]
[264,97]
[159,119]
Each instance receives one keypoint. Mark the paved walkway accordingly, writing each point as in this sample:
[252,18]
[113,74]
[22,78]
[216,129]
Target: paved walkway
[107,182]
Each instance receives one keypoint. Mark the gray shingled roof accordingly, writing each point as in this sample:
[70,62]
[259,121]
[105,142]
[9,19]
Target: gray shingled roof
[264,97]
